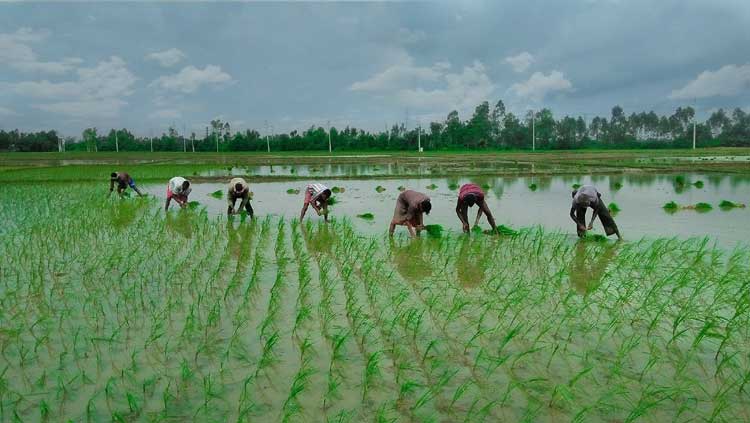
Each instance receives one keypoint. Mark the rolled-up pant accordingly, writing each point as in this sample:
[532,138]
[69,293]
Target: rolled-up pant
[610,227]
[248,207]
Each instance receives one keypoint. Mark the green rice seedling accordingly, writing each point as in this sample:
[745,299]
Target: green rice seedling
[486,186]
[614,208]
[337,190]
[435,231]
[701,207]
[371,372]
[728,205]
[217,194]
[431,187]
[292,191]
[505,230]
[698,184]
[533,187]
[576,186]
[680,180]
[452,186]
[617,186]
[379,188]
[401,188]
[671,206]
[366,216]
[332,200]
[193,205]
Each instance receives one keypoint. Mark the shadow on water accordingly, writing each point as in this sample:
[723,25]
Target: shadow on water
[472,262]
[125,212]
[180,223]
[590,263]
[409,258]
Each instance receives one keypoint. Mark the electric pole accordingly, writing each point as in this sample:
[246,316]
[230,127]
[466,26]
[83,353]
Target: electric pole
[419,136]
[693,133]
[533,132]
[151,138]
[184,141]
[330,150]
[117,144]
[268,141]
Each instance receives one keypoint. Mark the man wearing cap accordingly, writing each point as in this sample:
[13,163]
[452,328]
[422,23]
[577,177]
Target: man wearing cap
[468,195]
[239,189]
[585,197]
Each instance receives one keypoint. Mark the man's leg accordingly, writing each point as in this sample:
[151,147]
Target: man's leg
[249,208]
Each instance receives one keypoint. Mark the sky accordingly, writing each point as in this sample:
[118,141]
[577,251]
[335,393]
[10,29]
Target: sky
[278,66]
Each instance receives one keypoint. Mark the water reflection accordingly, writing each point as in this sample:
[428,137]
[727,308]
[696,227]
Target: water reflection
[409,258]
[180,222]
[239,236]
[590,263]
[472,261]
[318,238]
[125,211]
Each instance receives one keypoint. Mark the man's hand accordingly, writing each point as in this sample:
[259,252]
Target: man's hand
[231,210]
[581,228]
[590,227]
[466,228]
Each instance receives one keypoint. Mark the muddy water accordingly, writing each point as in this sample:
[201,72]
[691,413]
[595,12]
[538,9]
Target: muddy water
[515,204]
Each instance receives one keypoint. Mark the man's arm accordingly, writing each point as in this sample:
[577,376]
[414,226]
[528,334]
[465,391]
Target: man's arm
[483,208]
[410,227]
[137,191]
[230,202]
[166,206]
[302,213]
[463,216]
[325,210]
[593,217]
[111,185]
[573,214]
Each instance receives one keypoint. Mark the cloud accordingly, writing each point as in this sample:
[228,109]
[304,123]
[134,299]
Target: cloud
[539,85]
[521,61]
[167,58]
[97,92]
[430,88]
[166,114]
[399,75]
[190,78]
[729,80]
[16,53]
[4,111]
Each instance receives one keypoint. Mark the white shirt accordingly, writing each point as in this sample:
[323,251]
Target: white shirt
[587,196]
[175,185]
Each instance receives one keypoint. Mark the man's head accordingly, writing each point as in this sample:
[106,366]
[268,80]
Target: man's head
[113,175]
[238,187]
[575,191]
[185,185]
[325,195]
[426,206]
[470,199]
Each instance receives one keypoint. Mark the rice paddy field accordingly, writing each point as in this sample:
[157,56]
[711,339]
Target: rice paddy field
[112,309]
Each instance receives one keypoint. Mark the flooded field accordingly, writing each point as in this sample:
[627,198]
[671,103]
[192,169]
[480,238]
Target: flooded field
[526,201]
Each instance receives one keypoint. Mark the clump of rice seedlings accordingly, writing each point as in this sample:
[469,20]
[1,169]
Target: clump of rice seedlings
[366,216]
[192,205]
[617,186]
[576,186]
[337,190]
[379,188]
[402,188]
[698,184]
[434,230]
[431,187]
[292,191]
[486,186]
[452,186]
[332,200]
[680,181]
[614,208]
[533,187]
[727,205]
[700,207]
[671,206]
[476,229]
[594,237]
[505,230]
[217,194]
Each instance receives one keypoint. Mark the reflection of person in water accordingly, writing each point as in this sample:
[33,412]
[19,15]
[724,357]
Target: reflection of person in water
[180,224]
[123,215]
[239,238]
[470,263]
[318,241]
[589,265]
[409,260]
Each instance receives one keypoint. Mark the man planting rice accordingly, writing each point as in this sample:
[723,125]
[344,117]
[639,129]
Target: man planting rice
[585,197]
[123,181]
[410,206]
[468,195]
[239,189]
[317,196]
[179,189]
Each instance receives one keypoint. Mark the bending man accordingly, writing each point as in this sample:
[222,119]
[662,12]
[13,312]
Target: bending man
[316,195]
[468,195]
[123,181]
[585,197]
[239,189]
[410,206]
[179,189]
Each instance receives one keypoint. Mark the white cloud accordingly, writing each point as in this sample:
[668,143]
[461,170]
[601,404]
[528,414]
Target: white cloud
[430,88]
[167,58]
[539,85]
[98,91]
[729,80]
[521,61]
[4,111]
[166,114]
[190,78]
[16,53]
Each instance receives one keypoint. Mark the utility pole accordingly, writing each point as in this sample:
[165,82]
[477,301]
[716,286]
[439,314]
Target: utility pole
[268,141]
[151,138]
[330,150]
[117,143]
[184,141]
[216,137]
[533,132]
[192,141]
[693,133]
[419,136]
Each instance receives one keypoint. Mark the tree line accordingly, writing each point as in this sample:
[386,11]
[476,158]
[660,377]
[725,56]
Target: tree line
[487,128]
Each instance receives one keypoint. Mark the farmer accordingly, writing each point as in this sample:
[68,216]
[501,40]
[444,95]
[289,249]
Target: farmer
[123,181]
[468,195]
[238,188]
[179,189]
[317,196]
[585,197]
[409,208]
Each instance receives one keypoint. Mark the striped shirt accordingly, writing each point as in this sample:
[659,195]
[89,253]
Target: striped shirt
[314,190]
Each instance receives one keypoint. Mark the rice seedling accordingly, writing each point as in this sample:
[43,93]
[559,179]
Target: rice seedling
[533,187]
[617,186]
[217,194]
[431,187]
[366,216]
[576,186]
[332,200]
[401,188]
[698,184]
[452,186]
[379,188]
[435,231]
[614,208]
[292,191]
[337,190]
[671,206]
[700,207]
[728,205]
